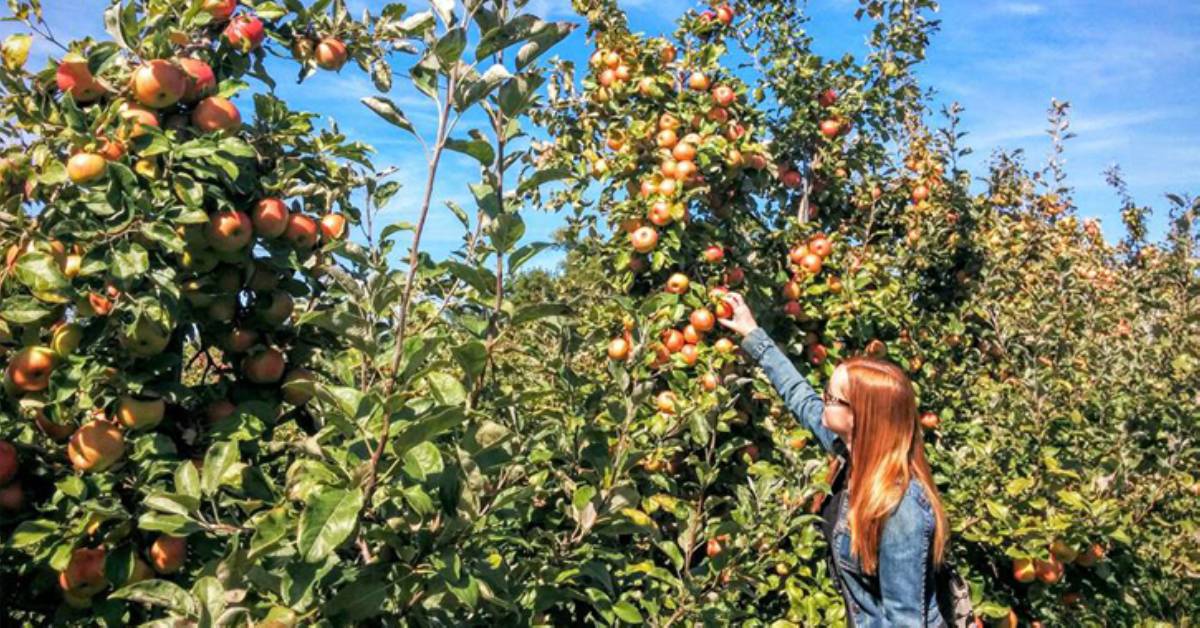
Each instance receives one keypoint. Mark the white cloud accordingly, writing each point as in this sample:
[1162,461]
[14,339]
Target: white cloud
[1020,8]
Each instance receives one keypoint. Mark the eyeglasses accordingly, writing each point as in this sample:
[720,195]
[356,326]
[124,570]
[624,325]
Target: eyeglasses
[830,400]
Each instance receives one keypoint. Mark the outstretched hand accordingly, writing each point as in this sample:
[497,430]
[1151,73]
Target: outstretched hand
[742,320]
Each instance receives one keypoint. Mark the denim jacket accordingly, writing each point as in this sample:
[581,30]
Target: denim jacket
[902,591]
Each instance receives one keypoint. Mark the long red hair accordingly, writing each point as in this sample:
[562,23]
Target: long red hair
[887,451]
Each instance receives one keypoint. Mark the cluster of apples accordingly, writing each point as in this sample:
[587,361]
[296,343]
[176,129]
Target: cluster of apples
[85,574]
[832,124]
[1050,570]
[168,93]
[673,143]
[686,342]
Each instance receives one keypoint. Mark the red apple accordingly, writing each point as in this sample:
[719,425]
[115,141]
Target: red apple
[201,80]
[270,217]
[245,32]
[73,77]
[229,230]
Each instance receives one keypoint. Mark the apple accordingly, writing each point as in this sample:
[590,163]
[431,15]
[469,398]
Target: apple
[12,498]
[677,283]
[331,54]
[239,340]
[264,367]
[644,239]
[876,348]
[8,462]
[702,320]
[723,95]
[720,115]
[698,81]
[660,213]
[301,231]
[828,98]
[673,340]
[141,571]
[725,14]
[665,402]
[140,413]
[820,245]
[136,118]
[220,10]
[66,339]
[216,114]
[201,81]
[724,310]
[270,217]
[279,309]
[1063,552]
[667,54]
[714,253]
[709,382]
[811,263]
[223,308]
[612,59]
[930,420]
[219,410]
[622,73]
[792,179]
[831,128]
[1049,571]
[84,574]
[30,369]
[158,83]
[920,193]
[1023,570]
[713,548]
[245,32]
[167,553]
[333,226]
[817,353]
[684,151]
[666,138]
[646,87]
[85,168]
[96,446]
[75,78]
[1090,556]
[735,276]
[110,149]
[229,230]
[724,345]
[691,335]
[689,354]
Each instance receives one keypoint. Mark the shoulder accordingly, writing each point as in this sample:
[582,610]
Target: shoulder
[914,513]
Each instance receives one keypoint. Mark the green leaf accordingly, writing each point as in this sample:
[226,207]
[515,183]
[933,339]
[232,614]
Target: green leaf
[32,532]
[130,262]
[172,503]
[175,525]
[506,231]
[220,459]
[187,479]
[41,273]
[480,149]
[628,613]
[161,593]
[423,461]
[421,430]
[211,597]
[542,176]
[543,37]
[472,356]
[539,310]
[387,110]
[450,46]
[519,257]
[473,91]
[446,388]
[23,309]
[518,93]
[497,39]
[328,520]
[363,598]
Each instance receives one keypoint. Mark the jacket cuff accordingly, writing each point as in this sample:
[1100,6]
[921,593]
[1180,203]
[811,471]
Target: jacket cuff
[757,343]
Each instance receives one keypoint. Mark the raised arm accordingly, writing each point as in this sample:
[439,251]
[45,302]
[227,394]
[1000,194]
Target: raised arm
[797,393]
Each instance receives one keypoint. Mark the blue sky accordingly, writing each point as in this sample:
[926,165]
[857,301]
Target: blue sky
[1129,69]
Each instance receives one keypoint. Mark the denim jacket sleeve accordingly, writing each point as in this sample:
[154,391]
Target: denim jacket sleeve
[903,552]
[797,393]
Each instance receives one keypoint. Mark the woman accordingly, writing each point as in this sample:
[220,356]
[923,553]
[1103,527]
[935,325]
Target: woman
[884,520]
